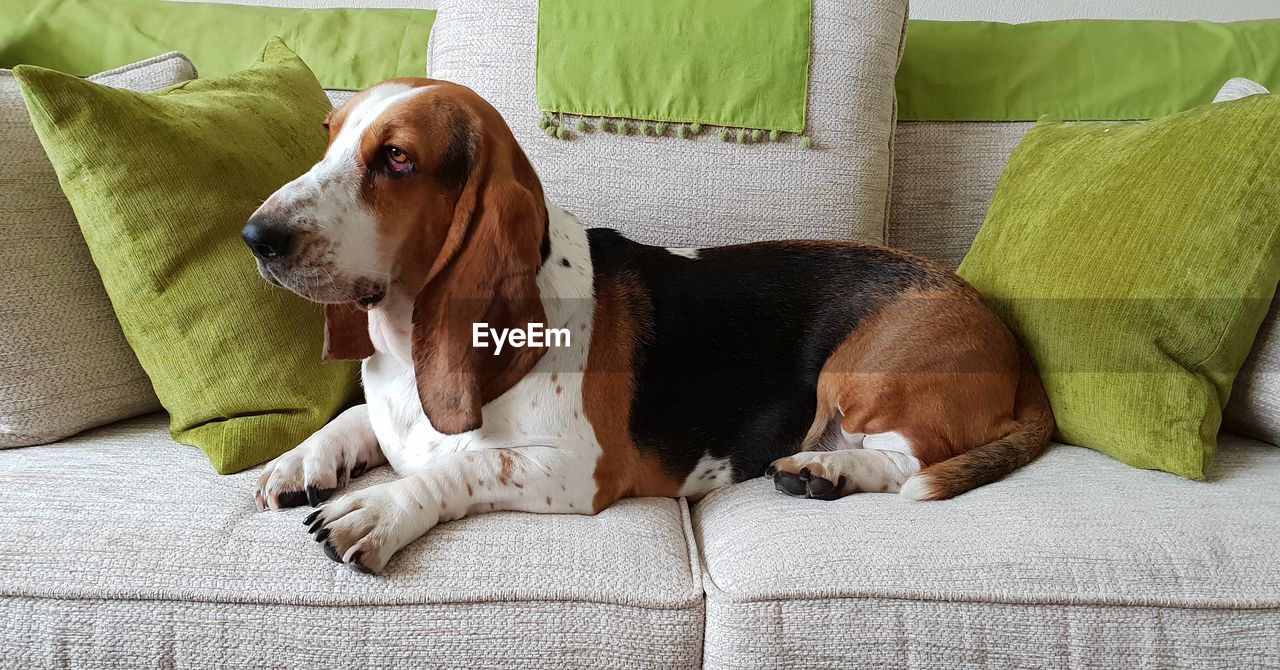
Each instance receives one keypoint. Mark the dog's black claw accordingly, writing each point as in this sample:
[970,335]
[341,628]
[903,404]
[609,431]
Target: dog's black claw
[331,552]
[768,472]
[322,535]
[359,469]
[357,566]
[292,498]
[311,517]
[789,484]
[315,496]
[316,525]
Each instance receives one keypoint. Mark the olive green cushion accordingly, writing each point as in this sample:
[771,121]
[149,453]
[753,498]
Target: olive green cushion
[1136,261]
[161,185]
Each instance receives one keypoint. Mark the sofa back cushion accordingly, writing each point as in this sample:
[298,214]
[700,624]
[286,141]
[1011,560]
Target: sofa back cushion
[944,175]
[64,362]
[703,191]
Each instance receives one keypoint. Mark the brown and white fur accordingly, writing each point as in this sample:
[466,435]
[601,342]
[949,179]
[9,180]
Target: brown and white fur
[833,368]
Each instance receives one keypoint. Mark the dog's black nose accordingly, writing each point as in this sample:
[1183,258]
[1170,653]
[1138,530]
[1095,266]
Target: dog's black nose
[267,239]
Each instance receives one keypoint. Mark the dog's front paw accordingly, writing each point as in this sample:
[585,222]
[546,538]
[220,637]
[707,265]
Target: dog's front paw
[308,475]
[366,528]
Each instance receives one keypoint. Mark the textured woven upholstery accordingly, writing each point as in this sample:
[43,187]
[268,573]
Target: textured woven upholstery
[124,549]
[1076,560]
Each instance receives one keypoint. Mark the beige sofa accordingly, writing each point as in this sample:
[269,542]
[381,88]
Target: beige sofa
[120,548]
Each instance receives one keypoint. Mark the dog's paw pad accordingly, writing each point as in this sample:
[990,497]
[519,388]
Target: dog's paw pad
[789,483]
[804,481]
[822,488]
[291,499]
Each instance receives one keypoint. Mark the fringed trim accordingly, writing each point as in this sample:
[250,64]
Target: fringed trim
[566,127]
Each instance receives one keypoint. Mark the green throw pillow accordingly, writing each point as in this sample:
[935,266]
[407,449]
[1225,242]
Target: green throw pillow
[1136,261]
[161,185]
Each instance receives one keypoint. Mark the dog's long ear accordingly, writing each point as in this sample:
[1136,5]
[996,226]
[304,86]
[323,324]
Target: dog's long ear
[486,273]
[346,333]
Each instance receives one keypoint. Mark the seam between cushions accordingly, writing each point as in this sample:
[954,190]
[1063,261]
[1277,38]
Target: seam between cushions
[690,605]
[719,596]
[691,545]
[695,567]
[893,127]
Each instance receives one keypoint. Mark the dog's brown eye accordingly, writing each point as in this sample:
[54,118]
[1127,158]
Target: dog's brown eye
[398,161]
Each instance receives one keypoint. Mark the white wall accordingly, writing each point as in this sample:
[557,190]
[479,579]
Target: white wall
[1018,11]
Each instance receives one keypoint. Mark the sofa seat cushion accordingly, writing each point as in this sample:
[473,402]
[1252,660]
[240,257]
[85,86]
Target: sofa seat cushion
[1076,559]
[122,548]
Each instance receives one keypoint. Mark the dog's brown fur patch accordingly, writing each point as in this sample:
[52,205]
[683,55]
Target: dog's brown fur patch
[607,389]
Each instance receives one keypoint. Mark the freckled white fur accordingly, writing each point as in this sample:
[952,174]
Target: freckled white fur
[685,252]
[531,412]
[710,473]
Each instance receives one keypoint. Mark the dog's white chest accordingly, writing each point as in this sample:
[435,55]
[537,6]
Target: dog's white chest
[397,417]
[545,408]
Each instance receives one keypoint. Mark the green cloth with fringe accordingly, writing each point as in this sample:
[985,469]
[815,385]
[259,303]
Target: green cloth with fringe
[735,63]
[161,185]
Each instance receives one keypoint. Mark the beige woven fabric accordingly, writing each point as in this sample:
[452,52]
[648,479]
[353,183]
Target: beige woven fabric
[944,176]
[701,192]
[198,635]
[938,635]
[64,362]
[1254,408]
[123,549]
[336,98]
[1076,560]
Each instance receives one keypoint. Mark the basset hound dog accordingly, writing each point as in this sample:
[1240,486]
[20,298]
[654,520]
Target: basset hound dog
[515,360]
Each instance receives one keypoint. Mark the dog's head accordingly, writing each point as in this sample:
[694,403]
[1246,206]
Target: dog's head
[423,189]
